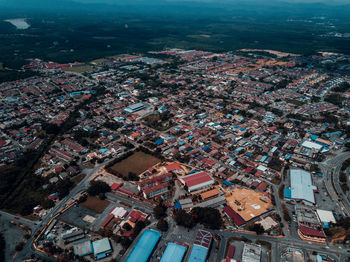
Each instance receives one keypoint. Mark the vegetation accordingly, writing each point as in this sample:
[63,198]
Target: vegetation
[335,99]
[343,87]
[286,215]
[209,217]
[159,211]
[2,248]
[182,218]
[257,228]
[12,75]
[162,225]
[97,187]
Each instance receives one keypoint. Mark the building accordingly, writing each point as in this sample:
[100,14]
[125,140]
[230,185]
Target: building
[200,247]
[230,251]
[83,248]
[73,235]
[251,253]
[197,181]
[233,216]
[135,107]
[155,190]
[102,248]
[210,194]
[311,234]
[325,217]
[119,212]
[154,181]
[301,188]
[144,246]
[174,252]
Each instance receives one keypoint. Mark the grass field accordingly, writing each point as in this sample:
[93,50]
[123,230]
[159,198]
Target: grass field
[79,69]
[95,204]
[136,163]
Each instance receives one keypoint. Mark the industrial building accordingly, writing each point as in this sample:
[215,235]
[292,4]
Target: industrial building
[325,217]
[301,187]
[200,247]
[144,246]
[197,181]
[174,252]
[101,248]
[135,107]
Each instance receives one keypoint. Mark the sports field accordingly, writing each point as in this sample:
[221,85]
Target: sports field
[136,163]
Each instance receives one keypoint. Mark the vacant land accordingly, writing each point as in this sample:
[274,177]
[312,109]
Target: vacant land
[95,204]
[79,69]
[136,163]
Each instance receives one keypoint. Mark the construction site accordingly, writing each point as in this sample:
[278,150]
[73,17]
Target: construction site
[248,203]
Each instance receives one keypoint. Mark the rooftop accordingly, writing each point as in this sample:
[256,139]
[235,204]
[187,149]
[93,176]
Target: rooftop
[173,253]
[301,185]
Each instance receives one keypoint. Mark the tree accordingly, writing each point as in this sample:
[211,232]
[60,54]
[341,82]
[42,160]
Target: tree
[159,211]
[209,217]
[127,227]
[138,227]
[182,218]
[97,187]
[47,203]
[257,228]
[162,225]
[19,246]
[2,247]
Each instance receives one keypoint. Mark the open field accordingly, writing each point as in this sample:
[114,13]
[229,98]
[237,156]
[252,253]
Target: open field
[79,69]
[136,163]
[95,204]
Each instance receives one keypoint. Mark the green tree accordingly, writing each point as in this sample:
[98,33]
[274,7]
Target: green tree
[159,211]
[182,218]
[97,187]
[47,203]
[209,217]
[162,225]
[2,248]
[257,228]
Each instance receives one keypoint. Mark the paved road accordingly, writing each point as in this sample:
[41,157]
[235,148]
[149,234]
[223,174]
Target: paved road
[331,169]
[37,226]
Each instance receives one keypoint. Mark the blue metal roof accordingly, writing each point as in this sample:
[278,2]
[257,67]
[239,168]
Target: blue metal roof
[144,246]
[178,205]
[227,183]
[287,193]
[198,254]
[173,253]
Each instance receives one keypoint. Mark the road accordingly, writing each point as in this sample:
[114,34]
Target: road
[36,227]
[331,169]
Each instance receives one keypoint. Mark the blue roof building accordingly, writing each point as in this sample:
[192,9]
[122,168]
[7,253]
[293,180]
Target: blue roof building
[198,254]
[144,246]
[173,253]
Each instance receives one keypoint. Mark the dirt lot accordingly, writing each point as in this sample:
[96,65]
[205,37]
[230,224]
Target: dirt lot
[136,163]
[95,204]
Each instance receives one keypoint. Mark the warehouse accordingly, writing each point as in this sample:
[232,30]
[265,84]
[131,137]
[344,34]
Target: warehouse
[197,181]
[101,248]
[174,252]
[144,246]
[135,107]
[301,187]
[325,217]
